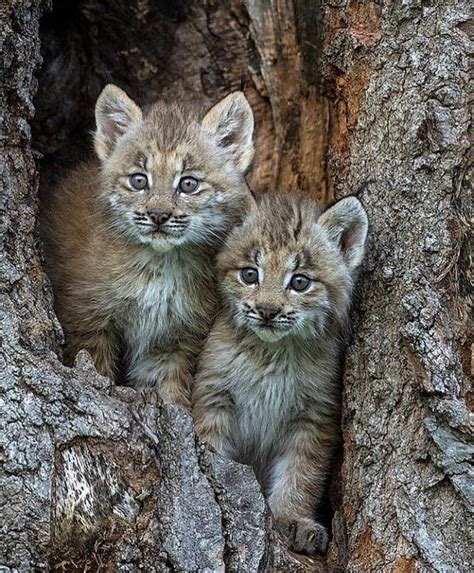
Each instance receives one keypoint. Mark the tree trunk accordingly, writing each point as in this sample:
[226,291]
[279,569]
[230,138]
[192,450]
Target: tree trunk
[397,73]
[93,477]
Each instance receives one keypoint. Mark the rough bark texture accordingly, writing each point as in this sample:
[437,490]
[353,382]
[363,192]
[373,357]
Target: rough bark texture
[398,73]
[94,478]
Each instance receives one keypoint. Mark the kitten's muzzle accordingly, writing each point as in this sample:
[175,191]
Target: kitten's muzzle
[158,223]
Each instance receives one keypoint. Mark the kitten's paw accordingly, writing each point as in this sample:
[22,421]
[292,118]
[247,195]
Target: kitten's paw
[213,443]
[216,443]
[310,537]
[166,394]
[176,392]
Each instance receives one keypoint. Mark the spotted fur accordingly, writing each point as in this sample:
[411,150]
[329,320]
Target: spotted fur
[137,294]
[267,387]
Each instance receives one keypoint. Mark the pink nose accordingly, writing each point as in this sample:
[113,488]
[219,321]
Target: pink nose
[158,216]
[267,312]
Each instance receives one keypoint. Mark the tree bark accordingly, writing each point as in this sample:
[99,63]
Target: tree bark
[397,73]
[94,478]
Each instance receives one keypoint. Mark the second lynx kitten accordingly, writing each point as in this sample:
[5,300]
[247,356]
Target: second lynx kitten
[267,389]
[131,239]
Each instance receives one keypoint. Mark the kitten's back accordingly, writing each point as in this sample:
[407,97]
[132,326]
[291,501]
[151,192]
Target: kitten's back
[79,251]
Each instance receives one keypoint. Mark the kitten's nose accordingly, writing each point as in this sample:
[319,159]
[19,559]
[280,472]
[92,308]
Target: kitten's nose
[158,216]
[267,312]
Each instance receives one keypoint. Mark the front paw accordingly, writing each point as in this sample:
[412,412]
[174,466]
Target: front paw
[176,392]
[305,536]
[165,394]
[310,537]
[213,443]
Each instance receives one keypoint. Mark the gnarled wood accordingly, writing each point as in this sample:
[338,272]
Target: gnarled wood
[94,477]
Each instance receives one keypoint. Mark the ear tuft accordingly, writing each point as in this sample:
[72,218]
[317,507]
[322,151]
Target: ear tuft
[115,113]
[231,122]
[347,224]
[251,205]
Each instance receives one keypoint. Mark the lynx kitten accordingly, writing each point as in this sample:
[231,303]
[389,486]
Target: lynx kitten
[267,388]
[131,239]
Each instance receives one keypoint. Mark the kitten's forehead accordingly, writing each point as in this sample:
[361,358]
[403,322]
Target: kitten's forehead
[168,125]
[157,147]
[288,258]
[143,154]
[283,233]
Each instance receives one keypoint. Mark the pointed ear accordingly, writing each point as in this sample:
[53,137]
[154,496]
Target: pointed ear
[115,113]
[346,223]
[231,122]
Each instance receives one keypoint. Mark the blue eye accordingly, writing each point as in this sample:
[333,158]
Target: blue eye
[138,181]
[299,283]
[249,275]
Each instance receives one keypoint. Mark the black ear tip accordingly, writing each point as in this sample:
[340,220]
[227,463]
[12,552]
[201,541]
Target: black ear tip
[242,82]
[361,187]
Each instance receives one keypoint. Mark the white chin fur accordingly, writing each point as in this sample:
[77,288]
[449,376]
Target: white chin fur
[159,244]
[268,335]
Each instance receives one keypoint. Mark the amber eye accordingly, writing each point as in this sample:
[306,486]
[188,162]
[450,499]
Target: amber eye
[299,283]
[188,185]
[249,276]
[138,181]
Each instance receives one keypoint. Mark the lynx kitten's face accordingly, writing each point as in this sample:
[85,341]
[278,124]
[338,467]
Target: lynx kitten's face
[288,268]
[171,178]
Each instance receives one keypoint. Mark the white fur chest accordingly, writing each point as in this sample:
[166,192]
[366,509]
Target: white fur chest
[165,302]
[271,394]
[266,399]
